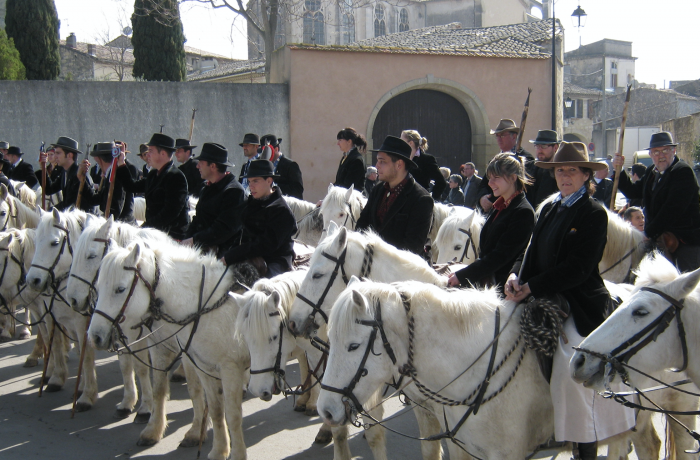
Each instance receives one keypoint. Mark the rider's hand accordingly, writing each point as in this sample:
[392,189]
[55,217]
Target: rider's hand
[82,169]
[618,161]
[453,281]
[485,203]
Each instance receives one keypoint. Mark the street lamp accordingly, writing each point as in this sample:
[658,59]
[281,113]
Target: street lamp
[578,17]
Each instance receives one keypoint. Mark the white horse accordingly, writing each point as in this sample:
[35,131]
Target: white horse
[342,206]
[450,330]
[168,285]
[440,213]
[309,220]
[140,208]
[458,238]
[662,353]
[25,194]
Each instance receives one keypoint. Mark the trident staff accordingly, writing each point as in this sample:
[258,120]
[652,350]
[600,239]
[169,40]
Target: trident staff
[523,120]
[618,168]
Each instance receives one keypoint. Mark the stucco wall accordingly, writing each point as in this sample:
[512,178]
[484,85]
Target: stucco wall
[328,94]
[686,132]
[36,111]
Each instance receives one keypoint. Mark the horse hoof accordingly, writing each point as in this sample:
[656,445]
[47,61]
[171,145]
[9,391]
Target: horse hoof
[323,437]
[31,362]
[24,335]
[122,413]
[187,442]
[4,339]
[177,378]
[82,407]
[77,396]
[143,442]
[142,419]
[311,412]
[301,408]
[52,388]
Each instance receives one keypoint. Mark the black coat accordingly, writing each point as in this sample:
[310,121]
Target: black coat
[544,184]
[455,197]
[23,172]
[290,181]
[6,181]
[471,197]
[502,242]
[672,206]
[194,178]
[406,223]
[268,229]
[122,206]
[603,192]
[166,198]
[577,250]
[428,170]
[68,183]
[351,171]
[217,224]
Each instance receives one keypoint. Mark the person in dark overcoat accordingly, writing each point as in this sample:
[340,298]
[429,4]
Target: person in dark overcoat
[188,166]
[351,170]
[543,182]
[19,170]
[268,224]
[165,188]
[289,177]
[426,168]
[669,193]
[604,186]
[566,247]
[399,210]
[455,197]
[250,145]
[507,229]
[471,183]
[68,182]
[216,226]
[122,205]
[370,180]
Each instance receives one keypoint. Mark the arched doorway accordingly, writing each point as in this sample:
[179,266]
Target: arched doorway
[437,116]
[571,137]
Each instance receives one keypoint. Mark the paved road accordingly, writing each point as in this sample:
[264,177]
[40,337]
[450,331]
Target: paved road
[41,428]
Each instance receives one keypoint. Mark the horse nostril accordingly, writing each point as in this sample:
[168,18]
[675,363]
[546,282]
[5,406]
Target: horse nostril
[580,361]
[266,396]
[293,326]
[73,302]
[98,340]
[36,281]
[327,415]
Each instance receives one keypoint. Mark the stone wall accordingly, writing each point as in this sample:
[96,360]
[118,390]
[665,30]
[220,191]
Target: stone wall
[36,111]
[686,132]
[75,65]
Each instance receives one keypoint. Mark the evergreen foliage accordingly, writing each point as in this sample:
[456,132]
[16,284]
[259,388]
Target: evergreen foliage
[11,67]
[33,25]
[158,40]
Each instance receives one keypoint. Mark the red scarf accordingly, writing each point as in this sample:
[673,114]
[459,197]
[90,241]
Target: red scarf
[500,204]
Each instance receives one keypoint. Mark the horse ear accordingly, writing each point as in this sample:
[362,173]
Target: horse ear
[5,240]
[3,192]
[330,187]
[684,284]
[237,298]
[358,299]
[348,194]
[332,228]
[56,217]
[274,300]
[105,228]
[39,211]
[342,237]
[133,258]
[353,279]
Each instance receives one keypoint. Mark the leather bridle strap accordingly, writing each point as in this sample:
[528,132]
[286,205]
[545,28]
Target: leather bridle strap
[339,265]
[278,360]
[467,244]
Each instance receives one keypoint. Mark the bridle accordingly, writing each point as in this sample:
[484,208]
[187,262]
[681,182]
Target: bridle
[467,244]
[91,284]
[350,215]
[276,369]
[64,242]
[377,326]
[619,357]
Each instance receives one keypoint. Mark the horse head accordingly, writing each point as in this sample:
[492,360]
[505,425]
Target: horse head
[5,209]
[90,249]
[661,297]
[11,263]
[342,206]
[458,238]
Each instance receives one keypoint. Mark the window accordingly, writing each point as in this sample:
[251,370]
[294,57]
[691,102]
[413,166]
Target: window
[347,23]
[379,21]
[314,30]
[403,20]
[613,74]
[576,109]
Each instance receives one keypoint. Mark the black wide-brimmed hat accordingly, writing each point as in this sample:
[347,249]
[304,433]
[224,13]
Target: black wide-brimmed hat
[15,151]
[143,148]
[214,153]
[571,154]
[272,139]
[661,139]
[505,124]
[250,138]
[162,141]
[184,144]
[4,145]
[261,168]
[67,144]
[398,148]
[103,150]
[546,137]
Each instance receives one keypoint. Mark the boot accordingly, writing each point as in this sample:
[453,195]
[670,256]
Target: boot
[588,450]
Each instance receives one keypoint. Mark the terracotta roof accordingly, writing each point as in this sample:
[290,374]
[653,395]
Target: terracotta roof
[228,70]
[528,40]
[104,53]
[570,88]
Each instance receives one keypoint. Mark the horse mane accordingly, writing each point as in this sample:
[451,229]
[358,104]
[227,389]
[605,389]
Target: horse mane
[300,208]
[440,213]
[139,208]
[336,198]
[655,269]
[25,194]
[22,245]
[622,238]
[21,213]
[74,219]
[311,223]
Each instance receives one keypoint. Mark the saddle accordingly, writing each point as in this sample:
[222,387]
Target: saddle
[541,326]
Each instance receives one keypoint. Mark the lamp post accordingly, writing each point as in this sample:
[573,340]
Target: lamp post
[578,18]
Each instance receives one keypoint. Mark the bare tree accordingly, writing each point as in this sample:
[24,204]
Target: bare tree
[117,53]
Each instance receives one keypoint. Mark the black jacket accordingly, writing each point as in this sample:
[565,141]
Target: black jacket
[351,171]
[577,250]
[672,205]
[544,184]
[217,224]
[603,192]
[406,223]
[471,197]
[68,183]
[503,239]
[122,206]
[194,179]
[23,172]
[290,181]
[428,170]
[166,198]
[268,228]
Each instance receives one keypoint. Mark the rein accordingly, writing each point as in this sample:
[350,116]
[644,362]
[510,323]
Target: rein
[467,244]
[91,284]
[622,259]
[64,242]
[276,369]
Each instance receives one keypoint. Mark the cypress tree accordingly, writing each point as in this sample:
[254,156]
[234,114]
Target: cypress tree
[158,40]
[11,67]
[33,25]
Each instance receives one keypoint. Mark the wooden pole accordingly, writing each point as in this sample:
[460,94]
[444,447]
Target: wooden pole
[80,365]
[523,121]
[194,111]
[618,169]
[112,173]
[47,355]
[82,182]
[43,180]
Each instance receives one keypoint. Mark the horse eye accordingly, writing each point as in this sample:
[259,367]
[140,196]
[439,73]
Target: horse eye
[54,243]
[120,289]
[458,247]
[317,275]
[353,346]
[640,312]
[341,214]
[91,256]
[274,337]
[4,213]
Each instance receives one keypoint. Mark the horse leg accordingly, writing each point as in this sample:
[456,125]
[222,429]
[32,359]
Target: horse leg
[7,331]
[179,375]
[647,444]
[161,358]
[341,448]
[302,402]
[38,350]
[216,400]
[232,379]
[428,425]
[376,435]
[143,414]
[89,378]
[196,392]
[25,331]
[675,400]
[126,406]
[58,365]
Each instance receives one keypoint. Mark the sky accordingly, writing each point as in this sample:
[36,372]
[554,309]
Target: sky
[663,34]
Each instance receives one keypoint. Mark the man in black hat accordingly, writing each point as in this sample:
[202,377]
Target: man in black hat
[268,224]
[165,188]
[289,177]
[20,170]
[543,182]
[399,210]
[604,186]
[68,182]
[122,205]
[188,166]
[217,225]
[669,193]
[250,145]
